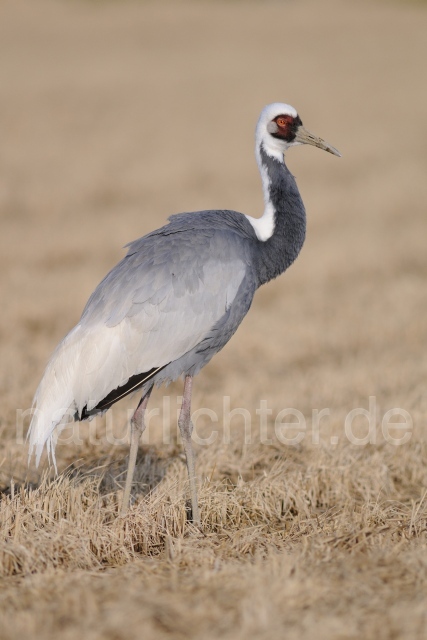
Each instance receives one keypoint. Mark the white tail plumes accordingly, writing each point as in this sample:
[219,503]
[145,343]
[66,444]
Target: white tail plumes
[54,401]
[92,360]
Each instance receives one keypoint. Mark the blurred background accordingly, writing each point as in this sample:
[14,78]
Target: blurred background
[115,115]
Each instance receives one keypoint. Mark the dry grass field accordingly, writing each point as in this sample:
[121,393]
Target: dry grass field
[115,115]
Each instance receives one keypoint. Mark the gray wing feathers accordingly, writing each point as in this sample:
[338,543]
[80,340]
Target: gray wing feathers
[155,306]
[173,288]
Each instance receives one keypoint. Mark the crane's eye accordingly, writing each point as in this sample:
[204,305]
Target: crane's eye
[281,122]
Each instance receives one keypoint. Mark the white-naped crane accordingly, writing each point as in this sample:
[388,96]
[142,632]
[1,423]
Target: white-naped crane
[174,301]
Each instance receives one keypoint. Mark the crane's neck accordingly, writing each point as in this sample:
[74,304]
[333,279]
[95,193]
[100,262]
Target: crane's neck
[281,230]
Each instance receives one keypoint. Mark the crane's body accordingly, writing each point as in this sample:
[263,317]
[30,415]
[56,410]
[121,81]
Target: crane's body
[175,300]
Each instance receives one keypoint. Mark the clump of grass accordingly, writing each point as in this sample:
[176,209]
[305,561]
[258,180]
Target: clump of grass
[268,499]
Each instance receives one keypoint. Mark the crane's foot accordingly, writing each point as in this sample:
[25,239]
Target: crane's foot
[189,514]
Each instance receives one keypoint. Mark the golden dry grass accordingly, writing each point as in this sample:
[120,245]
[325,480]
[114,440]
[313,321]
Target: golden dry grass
[325,538]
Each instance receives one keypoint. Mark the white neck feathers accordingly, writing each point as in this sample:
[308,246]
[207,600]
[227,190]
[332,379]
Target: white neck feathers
[264,226]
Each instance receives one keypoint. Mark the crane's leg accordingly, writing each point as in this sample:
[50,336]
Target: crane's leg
[186,428]
[137,426]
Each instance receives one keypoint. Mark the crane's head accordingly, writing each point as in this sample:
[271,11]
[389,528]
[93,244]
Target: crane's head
[280,127]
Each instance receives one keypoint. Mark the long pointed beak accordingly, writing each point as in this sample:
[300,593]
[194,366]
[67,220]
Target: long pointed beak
[305,137]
